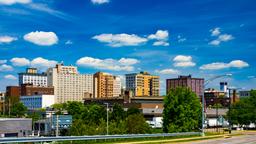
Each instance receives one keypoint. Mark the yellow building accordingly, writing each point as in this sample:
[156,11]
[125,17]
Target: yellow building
[106,85]
[143,84]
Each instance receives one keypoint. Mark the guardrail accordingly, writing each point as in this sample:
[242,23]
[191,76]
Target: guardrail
[95,137]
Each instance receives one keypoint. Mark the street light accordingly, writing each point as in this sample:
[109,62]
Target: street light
[203,102]
[107,116]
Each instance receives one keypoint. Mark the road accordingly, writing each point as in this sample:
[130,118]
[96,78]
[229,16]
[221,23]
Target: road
[243,139]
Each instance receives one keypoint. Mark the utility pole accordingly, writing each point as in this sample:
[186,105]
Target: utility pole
[107,116]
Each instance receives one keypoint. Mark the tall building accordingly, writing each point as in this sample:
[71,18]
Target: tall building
[2,101]
[31,76]
[142,84]
[12,95]
[68,84]
[195,84]
[106,85]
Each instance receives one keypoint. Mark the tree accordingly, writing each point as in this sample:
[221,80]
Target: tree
[18,110]
[136,124]
[182,111]
[75,109]
[243,112]
[118,113]
[133,110]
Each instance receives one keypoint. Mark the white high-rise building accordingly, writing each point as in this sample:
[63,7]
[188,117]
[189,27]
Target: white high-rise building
[68,84]
[32,77]
[116,86]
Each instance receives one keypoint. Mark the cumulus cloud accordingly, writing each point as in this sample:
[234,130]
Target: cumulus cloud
[5,67]
[7,39]
[68,42]
[99,1]
[41,38]
[11,2]
[222,65]
[3,61]
[183,61]
[20,61]
[123,64]
[11,77]
[118,40]
[123,39]
[181,39]
[215,31]
[167,71]
[42,63]
[220,37]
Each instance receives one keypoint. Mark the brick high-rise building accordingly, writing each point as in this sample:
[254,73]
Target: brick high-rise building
[106,85]
[195,84]
[142,84]
[12,95]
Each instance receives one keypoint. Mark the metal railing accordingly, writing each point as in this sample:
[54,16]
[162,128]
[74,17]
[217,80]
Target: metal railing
[95,137]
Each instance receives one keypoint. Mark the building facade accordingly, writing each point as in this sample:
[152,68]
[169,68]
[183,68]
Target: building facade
[2,102]
[142,84]
[244,93]
[12,95]
[37,101]
[68,84]
[106,85]
[29,90]
[31,76]
[195,84]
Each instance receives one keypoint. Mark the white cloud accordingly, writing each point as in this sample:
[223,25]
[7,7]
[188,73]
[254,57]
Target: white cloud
[123,64]
[159,35]
[3,61]
[118,40]
[184,64]
[181,39]
[20,61]
[99,1]
[182,58]
[225,37]
[183,61]
[167,71]
[7,39]
[11,2]
[6,67]
[161,43]
[42,38]
[220,38]
[68,42]
[214,42]
[222,65]
[215,31]
[42,63]
[11,77]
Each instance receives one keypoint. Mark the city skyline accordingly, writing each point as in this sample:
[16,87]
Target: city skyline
[165,38]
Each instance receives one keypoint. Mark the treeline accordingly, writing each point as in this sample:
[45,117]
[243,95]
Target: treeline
[92,119]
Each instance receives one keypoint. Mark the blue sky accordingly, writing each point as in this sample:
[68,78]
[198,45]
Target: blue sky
[164,37]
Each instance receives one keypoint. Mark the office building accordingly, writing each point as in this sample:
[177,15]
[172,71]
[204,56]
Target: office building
[244,93]
[37,101]
[2,102]
[12,95]
[106,85]
[224,87]
[68,84]
[142,84]
[29,90]
[195,84]
[31,76]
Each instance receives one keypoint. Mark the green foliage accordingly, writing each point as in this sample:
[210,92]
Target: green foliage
[217,105]
[182,111]
[136,124]
[243,112]
[133,110]
[118,113]
[18,110]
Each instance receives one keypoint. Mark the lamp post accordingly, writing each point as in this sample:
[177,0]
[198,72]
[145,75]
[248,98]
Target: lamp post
[107,116]
[203,101]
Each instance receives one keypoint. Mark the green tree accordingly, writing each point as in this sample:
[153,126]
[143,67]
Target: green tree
[75,109]
[243,112]
[18,110]
[118,113]
[133,110]
[136,124]
[182,111]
